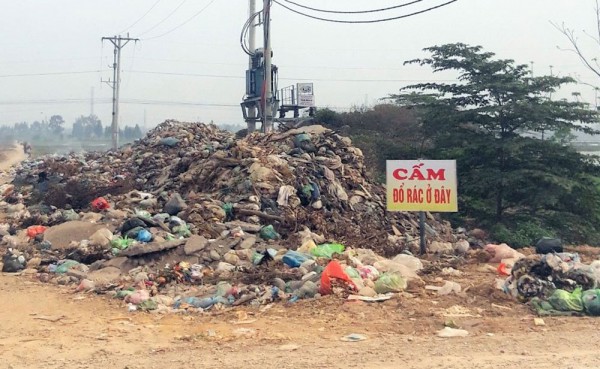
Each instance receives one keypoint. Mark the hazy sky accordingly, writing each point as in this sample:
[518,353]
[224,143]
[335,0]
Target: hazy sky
[51,54]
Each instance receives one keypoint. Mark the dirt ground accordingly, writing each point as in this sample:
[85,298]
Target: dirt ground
[49,326]
[10,156]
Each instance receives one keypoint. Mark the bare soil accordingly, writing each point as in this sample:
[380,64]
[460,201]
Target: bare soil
[47,326]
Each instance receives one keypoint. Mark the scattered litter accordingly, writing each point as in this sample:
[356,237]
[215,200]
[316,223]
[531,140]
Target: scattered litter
[377,298]
[448,332]
[354,337]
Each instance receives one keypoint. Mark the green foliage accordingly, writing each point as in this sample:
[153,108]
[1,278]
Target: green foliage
[488,122]
[520,235]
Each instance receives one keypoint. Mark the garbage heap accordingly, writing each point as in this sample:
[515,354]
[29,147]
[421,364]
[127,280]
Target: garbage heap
[307,177]
[556,284]
[191,217]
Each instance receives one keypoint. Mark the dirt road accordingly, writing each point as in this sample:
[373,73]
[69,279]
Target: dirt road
[9,156]
[46,326]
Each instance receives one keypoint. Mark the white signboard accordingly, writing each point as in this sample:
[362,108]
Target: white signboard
[306,100]
[305,89]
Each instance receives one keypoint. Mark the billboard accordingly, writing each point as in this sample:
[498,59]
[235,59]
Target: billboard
[421,185]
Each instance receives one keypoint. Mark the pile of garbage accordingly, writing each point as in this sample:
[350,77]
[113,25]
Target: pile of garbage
[190,274]
[192,218]
[307,177]
[555,283]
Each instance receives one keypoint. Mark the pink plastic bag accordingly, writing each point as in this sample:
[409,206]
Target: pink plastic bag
[502,251]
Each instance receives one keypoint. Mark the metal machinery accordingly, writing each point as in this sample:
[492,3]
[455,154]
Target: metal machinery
[256,88]
[262,98]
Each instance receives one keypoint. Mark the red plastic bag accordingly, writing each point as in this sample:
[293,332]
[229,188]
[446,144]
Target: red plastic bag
[35,230]
[502,270]
[331,271]
[100,204]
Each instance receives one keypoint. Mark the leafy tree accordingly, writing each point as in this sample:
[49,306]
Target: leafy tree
[137,132]
[504,175]
[86,127]
[56,124]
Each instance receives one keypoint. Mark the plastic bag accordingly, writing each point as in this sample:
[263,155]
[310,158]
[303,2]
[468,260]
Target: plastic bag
[352,273]
[333,270]
[591,302]
[566,301]
[35,230]
[65,266]
[100,204]
[413,263]
[368,272]
[502,251]
[269,233]
[390,266]
[120,243]
[294,259]
[144,236]
[182,230]
[327,250]
[390,282]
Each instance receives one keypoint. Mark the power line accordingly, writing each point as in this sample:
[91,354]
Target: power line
[164,19]
[184,23]
[288,78]
[185,74]
[356,11]
[365,21]
[142,17]
[48,74]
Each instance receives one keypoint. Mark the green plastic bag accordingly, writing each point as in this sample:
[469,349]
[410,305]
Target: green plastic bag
[120,243]
[390,282]
[64,267]
[566,301]
[143,214]
[269,233]
[544,308]
[124,293]
[70,215]
[591,302]
[228,208]
[327,250]
[148,305]
[182,231]
[352,273]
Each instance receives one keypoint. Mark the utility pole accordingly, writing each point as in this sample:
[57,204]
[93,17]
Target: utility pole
[119,43]
[268,98]
[252,46]
[92,102]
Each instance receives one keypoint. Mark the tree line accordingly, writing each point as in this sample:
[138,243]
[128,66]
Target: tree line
[84,128]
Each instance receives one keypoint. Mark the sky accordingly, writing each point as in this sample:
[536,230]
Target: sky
[189,66]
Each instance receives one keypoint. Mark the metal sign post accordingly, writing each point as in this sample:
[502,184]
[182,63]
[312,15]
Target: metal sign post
[423,243]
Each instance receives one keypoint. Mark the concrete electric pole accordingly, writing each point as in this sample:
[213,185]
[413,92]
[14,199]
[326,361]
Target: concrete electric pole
[119,43]
[251,125]
[268,96]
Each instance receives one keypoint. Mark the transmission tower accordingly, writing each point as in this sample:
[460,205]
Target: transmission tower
[119,43]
